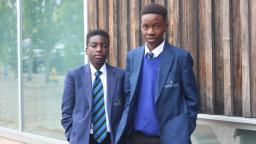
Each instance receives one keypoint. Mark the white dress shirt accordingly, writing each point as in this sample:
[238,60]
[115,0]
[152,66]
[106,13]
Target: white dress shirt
[157,50]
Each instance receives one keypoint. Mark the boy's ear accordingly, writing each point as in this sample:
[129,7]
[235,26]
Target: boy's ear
[166,23]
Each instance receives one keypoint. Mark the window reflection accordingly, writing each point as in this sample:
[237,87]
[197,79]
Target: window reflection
[8,65]
[52,43]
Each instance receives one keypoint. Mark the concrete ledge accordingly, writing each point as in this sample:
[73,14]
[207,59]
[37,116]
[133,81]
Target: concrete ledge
[27,138]
[18,137]
[227,121]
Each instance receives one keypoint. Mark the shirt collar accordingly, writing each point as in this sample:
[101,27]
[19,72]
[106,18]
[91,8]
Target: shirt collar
[157,50]
[103,69]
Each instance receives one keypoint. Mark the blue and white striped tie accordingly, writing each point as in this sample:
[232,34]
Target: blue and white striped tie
[99,116]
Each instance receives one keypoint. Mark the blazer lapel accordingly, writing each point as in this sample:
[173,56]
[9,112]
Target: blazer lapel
[136,67]
[166,62]
[88,84]
[111,84]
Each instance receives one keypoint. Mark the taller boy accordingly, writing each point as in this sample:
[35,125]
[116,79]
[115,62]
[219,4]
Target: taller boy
[162,99]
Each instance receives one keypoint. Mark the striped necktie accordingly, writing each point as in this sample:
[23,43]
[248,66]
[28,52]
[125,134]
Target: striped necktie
[99,116]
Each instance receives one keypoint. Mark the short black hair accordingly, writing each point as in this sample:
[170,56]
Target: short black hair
[96,32]
[155,9]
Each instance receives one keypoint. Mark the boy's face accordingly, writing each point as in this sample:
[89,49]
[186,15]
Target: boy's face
[153,27]
[97,50]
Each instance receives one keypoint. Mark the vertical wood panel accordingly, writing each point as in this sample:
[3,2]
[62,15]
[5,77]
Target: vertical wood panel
[174,22]
[245,58]
[189,32]
[207,42]
[205,46]
[227,83]
[237,66]
[134,21]
[189,28]
[92,14]
[218,51]
[244,45]
[123,43]
[113,31]
[103,15]
[222,58]
[252,8]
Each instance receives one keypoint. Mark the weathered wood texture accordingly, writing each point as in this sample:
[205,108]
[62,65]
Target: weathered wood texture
[252,30]
[206,55]
[220,34]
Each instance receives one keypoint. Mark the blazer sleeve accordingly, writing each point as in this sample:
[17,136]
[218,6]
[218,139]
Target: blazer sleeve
[190,90]
[68,101]
[120,137]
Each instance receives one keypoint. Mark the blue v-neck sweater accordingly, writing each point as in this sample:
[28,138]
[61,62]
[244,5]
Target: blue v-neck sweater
[145,117]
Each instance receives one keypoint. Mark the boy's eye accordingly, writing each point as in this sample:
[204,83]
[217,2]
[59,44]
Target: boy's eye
[156,27]
[105,45]
[145,27]
[93,45]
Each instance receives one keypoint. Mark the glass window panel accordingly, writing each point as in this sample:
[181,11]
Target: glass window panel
[52,43]
[8,65]
[205,134]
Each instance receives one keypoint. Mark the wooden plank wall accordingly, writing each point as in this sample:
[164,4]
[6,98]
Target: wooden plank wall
[220,34]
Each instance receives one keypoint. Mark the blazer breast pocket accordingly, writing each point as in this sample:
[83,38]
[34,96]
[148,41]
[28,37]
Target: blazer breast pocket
[172,83]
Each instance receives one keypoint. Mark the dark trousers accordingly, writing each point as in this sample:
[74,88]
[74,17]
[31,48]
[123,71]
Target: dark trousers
[106,141]
[140,138]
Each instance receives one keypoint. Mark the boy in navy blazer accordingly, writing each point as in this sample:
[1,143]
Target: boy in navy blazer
[93,100]
[160,86]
